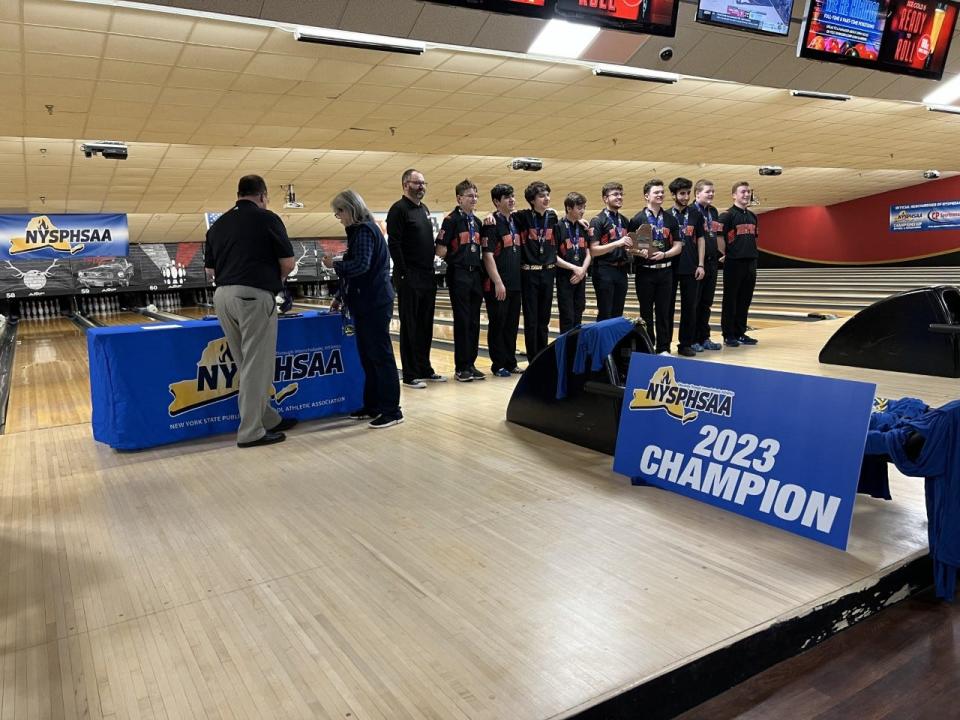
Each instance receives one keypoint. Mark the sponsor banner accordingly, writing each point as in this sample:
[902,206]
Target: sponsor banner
[781,448]
[25,278]
[163,383]
[925,216]
[42,237]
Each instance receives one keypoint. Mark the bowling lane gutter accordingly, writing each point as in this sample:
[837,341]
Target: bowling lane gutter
[8,345]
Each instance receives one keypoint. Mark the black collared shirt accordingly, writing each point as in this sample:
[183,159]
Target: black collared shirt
[608,227]
[740,233]
[574,242]
[666,230]
[462,235]
[244,247]
[503,242]
[711,228]
[538,233]
[410,239]
[690,223]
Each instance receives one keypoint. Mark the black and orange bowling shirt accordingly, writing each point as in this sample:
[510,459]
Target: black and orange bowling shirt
[608,227]
[711,228]
[690,222]
[502,240]
[574,242]
[666,231]
[739,227]
[538,234]
[462,235]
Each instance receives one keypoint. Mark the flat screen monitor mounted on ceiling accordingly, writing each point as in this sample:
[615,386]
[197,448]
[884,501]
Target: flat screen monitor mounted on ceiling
[907,37]
[768,18]
[650,17]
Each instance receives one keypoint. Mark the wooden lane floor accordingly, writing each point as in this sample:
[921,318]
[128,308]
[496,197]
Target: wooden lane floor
[452,567]
[51,379]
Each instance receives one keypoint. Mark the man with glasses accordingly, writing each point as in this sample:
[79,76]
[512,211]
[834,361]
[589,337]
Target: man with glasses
[609,248]
[410,238]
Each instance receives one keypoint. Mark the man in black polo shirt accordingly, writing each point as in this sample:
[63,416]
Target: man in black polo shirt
[573,262]
[713,248]
[538,258]
[653,274]
[739,227]
[459,242]
[688,265]
[248,254]
[501,287]
[410,239]
[609,249]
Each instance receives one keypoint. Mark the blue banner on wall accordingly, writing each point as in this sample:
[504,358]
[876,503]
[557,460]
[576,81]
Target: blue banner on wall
[159,384]
[781,448]
[925,216]
[39,237]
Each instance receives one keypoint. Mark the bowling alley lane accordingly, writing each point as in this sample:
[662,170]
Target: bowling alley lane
[51,373]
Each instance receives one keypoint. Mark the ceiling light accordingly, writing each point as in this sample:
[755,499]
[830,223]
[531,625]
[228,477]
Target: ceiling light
[944,109]
[342,38]
[632,73]
[945,94]
[560,38]
[820,95]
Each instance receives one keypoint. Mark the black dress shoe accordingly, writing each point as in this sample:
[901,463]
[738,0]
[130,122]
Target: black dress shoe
[284,424]
[269,438]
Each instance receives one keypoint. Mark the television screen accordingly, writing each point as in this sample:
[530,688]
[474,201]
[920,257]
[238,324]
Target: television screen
[909,37]
[770,17]
[651,17]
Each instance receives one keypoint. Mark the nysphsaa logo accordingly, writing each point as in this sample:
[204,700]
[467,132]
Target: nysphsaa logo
[681,401]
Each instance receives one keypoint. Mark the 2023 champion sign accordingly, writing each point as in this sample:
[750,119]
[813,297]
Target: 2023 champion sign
[781,448]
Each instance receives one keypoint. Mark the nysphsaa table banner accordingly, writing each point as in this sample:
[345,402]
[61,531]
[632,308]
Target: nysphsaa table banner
[156,384]
[41,237]
[781,448]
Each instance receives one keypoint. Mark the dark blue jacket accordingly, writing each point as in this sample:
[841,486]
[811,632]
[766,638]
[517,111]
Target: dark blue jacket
[364,270]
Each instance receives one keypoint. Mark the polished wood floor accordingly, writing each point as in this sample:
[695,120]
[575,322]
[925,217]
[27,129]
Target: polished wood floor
[452,567]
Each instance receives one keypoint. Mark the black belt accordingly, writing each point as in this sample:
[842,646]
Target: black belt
[466,268]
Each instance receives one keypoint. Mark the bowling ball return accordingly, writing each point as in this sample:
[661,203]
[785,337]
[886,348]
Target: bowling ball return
[589,413]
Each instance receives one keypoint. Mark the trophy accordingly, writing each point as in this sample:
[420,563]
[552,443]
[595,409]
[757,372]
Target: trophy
[642,240]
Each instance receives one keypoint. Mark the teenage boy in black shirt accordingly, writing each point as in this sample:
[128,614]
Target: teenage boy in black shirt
[653,274]
[688,265]
[573,261]
[459,242]
[713,249]
[739,227]
[538,233]
[410,239]
[609,249]
[501,287]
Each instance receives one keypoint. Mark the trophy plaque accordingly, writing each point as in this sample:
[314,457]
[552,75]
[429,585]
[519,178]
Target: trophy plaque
[642,239]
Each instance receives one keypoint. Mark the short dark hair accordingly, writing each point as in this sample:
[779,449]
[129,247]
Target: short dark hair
[652,183]
[407,174]
[251,185]
[573,200]
[678,184]
[609,188]
[534,189]
[739,183]
[464,185]
[500,191]
[701,184]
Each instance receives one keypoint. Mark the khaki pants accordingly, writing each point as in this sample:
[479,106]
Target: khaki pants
[248,317]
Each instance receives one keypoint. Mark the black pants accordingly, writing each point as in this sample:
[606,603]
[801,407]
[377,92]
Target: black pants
[466,297]
[571,300]
[739,279]
[381,385]
[653,293]
[504,319]
[537,288]
[610,287]
[689,297]
[708,287]
[416,306]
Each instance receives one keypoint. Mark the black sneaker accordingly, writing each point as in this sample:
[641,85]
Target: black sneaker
[416,384]
[747,340]
[731,342]
[464,376]
[434,377]
[477,374]
[269,438]
[516,370]
[687,352]
[382,421]
[362,414]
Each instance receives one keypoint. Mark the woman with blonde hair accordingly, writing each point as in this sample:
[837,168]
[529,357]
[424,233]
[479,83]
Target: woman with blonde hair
[366,291]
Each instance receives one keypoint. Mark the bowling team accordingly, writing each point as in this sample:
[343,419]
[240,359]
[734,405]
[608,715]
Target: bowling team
[511,260]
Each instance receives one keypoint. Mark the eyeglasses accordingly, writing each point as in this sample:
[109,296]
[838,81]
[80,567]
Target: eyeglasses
[422,183]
